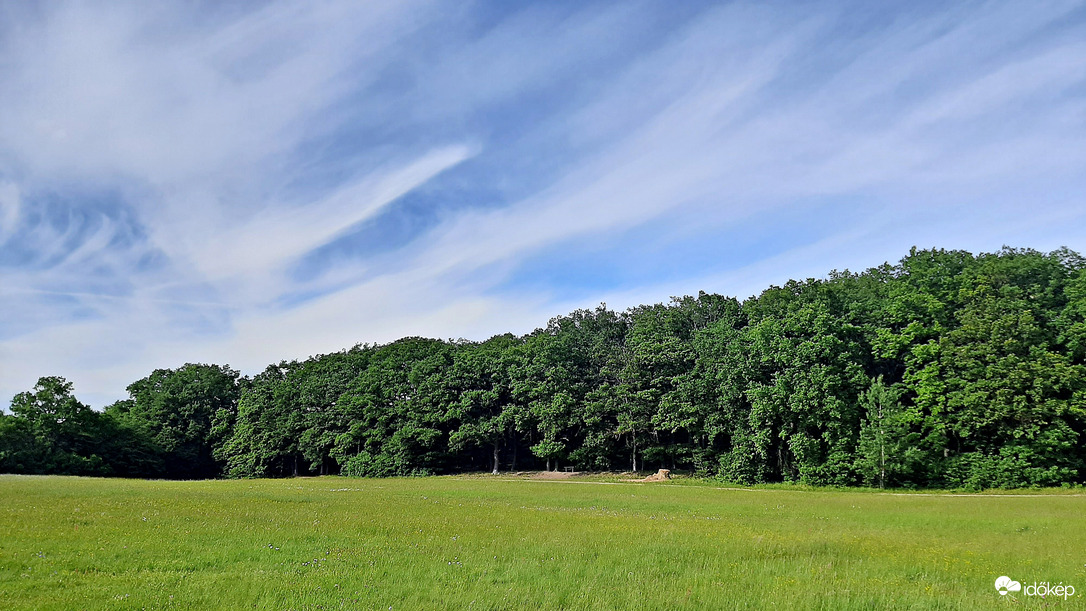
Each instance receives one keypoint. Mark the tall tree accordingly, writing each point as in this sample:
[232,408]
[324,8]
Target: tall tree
[486,413]
[181,410]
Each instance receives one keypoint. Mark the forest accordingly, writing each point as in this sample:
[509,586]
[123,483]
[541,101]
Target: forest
[945,370]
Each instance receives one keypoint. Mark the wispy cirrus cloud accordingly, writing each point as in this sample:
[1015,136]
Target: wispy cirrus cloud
[245,184]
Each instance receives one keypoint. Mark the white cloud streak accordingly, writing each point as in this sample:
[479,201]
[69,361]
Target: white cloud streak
[280,235]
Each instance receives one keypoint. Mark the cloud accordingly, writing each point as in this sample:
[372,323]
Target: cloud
[157,96]
[726,145]
[192,186]
[279,235]
[9,209]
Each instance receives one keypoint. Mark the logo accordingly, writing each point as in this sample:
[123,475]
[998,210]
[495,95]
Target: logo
[1043,589]
[1005,584]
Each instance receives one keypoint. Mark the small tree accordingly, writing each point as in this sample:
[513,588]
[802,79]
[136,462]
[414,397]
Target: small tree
[883,454]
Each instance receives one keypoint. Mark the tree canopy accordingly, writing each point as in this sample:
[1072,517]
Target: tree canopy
[943,370]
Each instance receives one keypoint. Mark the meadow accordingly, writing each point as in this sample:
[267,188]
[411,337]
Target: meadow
[508,543]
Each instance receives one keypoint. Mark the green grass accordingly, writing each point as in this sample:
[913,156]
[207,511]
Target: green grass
[498,543]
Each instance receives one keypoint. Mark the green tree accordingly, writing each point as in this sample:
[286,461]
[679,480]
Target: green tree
[486,413]
[183,411]
[397,409]
[264,439]
[50,431]
[549,374]
[887,453]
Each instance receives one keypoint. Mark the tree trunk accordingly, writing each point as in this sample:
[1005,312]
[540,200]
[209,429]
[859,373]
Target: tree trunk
[548,464]
[882,452]
[495,471]
[513,467]
[633,455]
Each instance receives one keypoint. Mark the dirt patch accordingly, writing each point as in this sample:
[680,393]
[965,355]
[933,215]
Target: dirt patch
[660,476]
[555,474]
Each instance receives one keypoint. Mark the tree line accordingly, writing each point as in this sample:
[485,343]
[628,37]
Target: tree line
[944,370]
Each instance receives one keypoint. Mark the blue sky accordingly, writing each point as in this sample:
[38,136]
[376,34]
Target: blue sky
[188,182]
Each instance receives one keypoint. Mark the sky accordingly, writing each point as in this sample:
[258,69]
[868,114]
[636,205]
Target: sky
[245,183]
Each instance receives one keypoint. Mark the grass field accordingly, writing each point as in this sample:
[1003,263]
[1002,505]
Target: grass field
[495,543]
